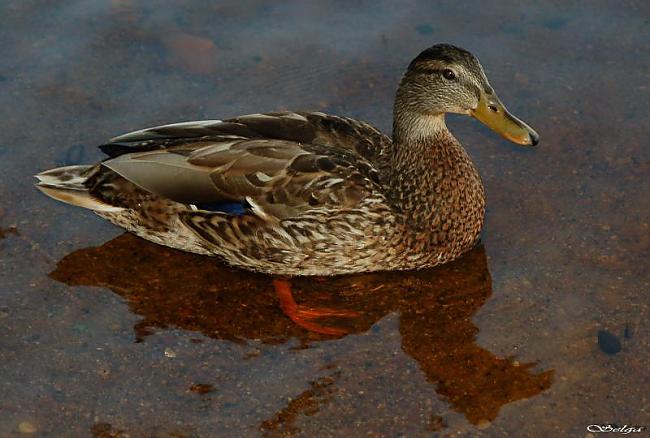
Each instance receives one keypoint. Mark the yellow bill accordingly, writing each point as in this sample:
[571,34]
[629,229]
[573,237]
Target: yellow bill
[492,113]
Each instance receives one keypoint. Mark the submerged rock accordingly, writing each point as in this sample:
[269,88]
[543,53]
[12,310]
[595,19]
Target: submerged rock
[608,342]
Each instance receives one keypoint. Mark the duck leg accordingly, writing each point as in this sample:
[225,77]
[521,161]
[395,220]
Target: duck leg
[305,316]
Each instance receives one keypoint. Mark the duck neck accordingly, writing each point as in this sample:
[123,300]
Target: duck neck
[411,128]
[433,182]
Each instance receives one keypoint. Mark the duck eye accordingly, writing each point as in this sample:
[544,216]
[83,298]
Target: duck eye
[449,74]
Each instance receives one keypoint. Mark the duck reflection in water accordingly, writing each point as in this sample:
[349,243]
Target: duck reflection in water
[169,288]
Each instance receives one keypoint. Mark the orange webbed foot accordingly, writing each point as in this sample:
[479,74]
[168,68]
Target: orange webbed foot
[305,316]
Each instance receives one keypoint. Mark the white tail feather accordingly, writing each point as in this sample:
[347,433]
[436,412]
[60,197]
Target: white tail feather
[69,176]
[66,184]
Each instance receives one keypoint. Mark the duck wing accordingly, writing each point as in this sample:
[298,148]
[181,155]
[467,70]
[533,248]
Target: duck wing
[274,178]
[302,127]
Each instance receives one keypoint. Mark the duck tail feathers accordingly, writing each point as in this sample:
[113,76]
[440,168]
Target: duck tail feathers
[68,184]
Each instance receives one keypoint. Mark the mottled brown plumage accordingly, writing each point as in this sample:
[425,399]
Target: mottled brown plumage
[315,194]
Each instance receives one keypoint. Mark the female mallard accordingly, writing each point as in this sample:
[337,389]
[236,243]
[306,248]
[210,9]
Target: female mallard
[307,193]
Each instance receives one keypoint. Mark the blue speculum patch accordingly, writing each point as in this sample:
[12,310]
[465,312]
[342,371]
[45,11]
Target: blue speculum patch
[229,207]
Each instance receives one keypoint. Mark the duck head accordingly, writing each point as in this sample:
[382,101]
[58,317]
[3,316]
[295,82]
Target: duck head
[447,79]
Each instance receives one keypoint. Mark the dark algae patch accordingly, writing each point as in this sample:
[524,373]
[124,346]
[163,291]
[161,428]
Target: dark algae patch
[555,23]
[424,29]
[105,430]
[8,231]
[202,388]
[307,403]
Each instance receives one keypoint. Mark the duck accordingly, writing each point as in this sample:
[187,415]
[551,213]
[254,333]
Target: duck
[308,193]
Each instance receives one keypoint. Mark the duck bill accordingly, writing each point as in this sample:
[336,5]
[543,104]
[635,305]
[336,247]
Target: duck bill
[491,112]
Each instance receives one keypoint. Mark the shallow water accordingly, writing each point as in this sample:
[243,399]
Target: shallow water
[103,333]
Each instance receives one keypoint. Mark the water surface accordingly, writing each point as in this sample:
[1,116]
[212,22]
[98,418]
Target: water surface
[104,334]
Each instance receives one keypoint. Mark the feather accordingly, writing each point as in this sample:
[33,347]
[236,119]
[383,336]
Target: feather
[168,175]
[189,129]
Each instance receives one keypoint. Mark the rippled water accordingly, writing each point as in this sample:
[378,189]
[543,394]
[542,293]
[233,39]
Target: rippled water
[540,331]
